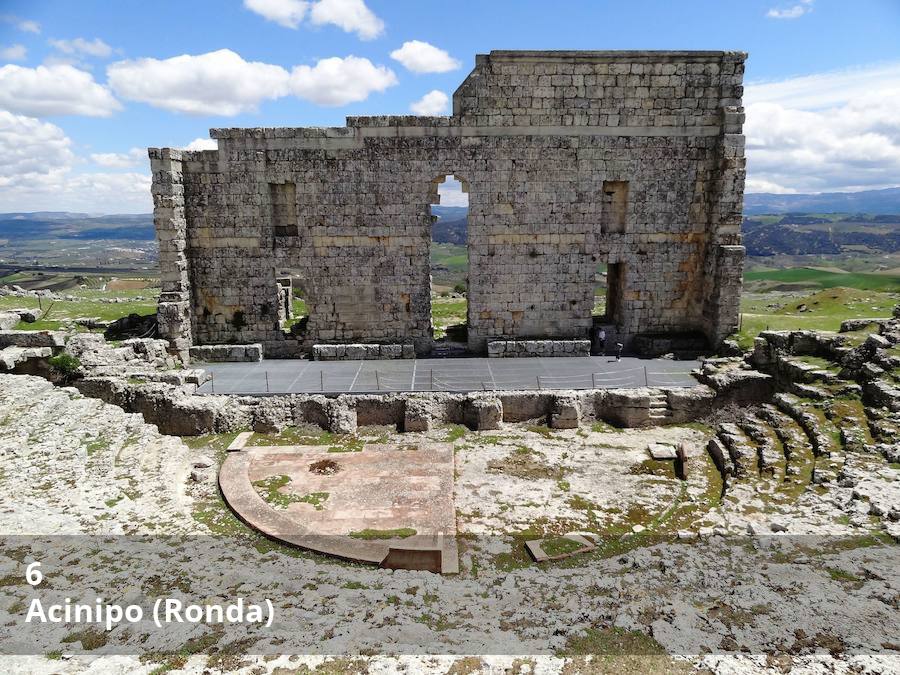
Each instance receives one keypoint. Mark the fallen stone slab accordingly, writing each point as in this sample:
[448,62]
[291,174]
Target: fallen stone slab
[12,357]
[92,322]
[662,451]
[559,548]
[850,325]
[32,338]
[8,320]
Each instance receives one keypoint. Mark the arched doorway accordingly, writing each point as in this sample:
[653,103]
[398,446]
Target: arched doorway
[449,258]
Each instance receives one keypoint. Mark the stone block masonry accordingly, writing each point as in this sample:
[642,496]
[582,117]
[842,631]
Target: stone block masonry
[219,353]
[536,348]
[572,161]
[362,352]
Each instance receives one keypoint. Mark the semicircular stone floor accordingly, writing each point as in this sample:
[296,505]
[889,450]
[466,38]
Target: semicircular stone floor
[380,503]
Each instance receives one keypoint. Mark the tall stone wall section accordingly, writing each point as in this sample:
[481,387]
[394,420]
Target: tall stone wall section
[535,136]
[175,308]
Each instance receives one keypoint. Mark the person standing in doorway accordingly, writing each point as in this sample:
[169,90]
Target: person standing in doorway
[601,341]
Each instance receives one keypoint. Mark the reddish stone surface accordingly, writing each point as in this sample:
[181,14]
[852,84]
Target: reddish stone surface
[383,487]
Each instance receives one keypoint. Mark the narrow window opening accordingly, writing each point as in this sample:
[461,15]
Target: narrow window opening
[284,209]
[614,206]
[449,259]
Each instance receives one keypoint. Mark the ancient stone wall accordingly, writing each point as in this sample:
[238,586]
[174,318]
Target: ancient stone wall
[570,159]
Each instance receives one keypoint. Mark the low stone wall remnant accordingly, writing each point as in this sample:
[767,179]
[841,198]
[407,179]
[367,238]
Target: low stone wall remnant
[363,352]
[520,348]
[219,353]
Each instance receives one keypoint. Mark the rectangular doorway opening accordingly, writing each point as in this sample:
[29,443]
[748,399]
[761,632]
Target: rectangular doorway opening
[615,286]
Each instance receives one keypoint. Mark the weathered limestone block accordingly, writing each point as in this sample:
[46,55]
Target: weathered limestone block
[14,359]
[483,414]
[627,407]
[417,415]
[735,382]
[27,315]
[881,394]
[522,407]
[362,352]
[341,416]
[358,352]
[32,338]
[522,348]
[112,390]
[226,353]
[8,320]
[272,414]
[720,456]
[173,412]
[689,403]
[566,413]
[310,410]
[850,325]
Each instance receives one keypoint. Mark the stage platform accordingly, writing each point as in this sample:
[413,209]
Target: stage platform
[299,376]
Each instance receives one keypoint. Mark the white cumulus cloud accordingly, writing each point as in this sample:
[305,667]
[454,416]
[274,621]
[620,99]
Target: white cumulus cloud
[215,83]
[202,144]
[287,13]
[58,89]
[28,26]
[120,160]
[95,47]
[351,16]
[433,103]
[421,57]
[13,53]
[337,81]
[37,173]
[837,131]
[791,12]
[24,25]
[30,148]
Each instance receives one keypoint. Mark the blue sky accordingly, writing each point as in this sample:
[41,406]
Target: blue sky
[85,86]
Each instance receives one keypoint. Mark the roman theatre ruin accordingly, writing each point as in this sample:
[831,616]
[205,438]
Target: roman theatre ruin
[571,160]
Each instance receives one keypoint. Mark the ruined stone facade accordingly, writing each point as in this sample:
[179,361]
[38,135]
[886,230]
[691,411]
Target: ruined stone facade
[570,159]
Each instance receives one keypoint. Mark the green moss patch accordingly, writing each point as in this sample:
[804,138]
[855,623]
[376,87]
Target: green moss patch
[270,490]
[397,533]
[559,546]
[316,499]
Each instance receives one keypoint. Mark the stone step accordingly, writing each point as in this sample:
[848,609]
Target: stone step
[743,455]
[768,458]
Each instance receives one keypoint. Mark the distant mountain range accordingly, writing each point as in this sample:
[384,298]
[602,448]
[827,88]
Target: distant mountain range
[451,226]
[872,202]
[65,225]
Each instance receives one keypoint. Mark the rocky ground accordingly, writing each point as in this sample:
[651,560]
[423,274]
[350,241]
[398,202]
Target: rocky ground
[780,573]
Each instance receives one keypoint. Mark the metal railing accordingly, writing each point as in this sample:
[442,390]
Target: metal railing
[376,380]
